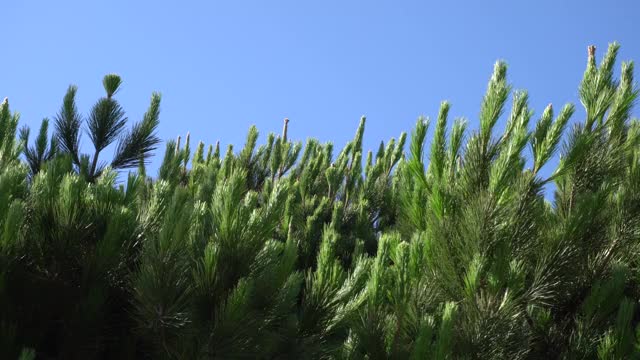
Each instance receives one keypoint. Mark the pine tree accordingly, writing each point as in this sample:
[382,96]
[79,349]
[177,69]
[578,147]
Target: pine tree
[279,250]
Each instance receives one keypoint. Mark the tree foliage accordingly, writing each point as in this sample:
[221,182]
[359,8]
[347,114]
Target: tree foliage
[281,250]
[105,125]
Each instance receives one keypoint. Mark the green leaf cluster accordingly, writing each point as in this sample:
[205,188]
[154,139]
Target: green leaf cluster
[280,250]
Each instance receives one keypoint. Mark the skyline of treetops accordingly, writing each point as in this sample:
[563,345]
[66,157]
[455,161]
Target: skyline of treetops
[69,129]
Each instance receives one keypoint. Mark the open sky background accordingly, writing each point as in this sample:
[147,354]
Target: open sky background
[222,66]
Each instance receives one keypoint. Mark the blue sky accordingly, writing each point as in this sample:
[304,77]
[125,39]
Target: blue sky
[223,66]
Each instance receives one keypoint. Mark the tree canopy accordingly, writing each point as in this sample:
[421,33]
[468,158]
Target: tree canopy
[290,251]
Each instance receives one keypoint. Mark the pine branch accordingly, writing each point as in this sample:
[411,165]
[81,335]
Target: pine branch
[67,123]
[438,148]
[139,143]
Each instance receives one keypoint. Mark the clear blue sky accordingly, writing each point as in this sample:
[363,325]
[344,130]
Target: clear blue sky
[222,66]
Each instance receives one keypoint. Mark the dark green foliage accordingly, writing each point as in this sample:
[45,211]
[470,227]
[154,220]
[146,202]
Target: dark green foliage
[43,151]
[285,251]
[105,125]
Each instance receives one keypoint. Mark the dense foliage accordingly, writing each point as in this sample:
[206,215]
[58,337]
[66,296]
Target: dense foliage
[285,251]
